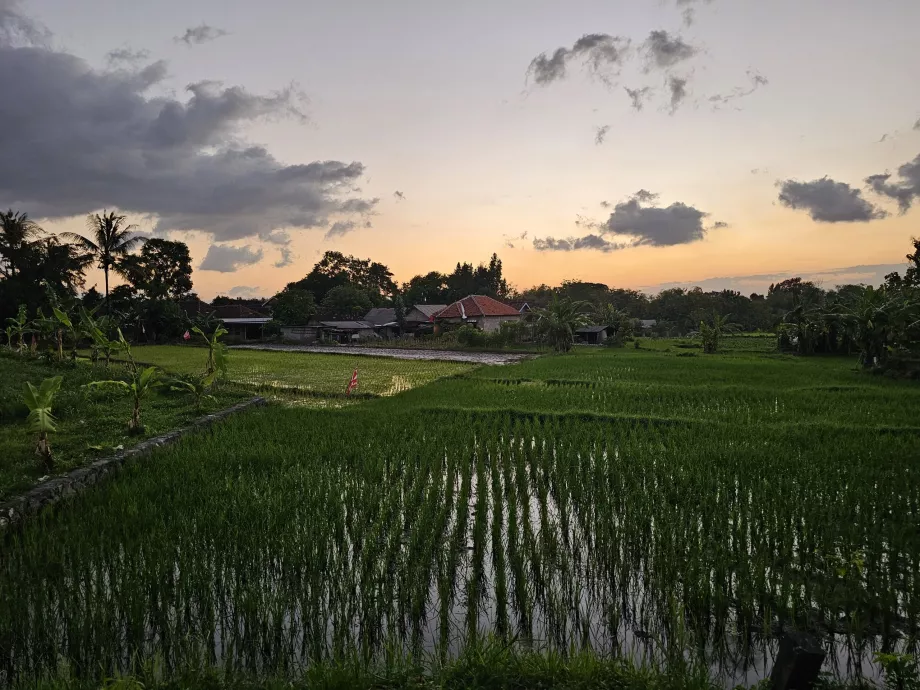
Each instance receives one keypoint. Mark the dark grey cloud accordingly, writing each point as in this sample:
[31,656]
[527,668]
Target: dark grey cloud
[639,220]
[602,54]
[203,33]
[904,190]
[828,201]
[662,50]
[127,55]
[757,81]
[596,242]
[88,139]
[17,29]
[227,259]
[689,16]
[638,96]
[605,204]
[719,224]
[600,133]
[399,196]
[286,259]
[678,88]
[917,125]
[653,225]
[276,237]
[343,227]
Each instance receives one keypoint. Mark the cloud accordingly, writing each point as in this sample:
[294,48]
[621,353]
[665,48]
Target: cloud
[605,204]
[664,51]
[399,196]
[276,237]
[678,87]
[689,15]
[638,96]
[828,201]
[510,240]
[286,259]
[88,139]
[551,244]
[244,291]
[599,52]
[343,227]
[600,133]
[917,125]
[757,81]
[719,224]
[18,30]
[905,190]
[226,259]
[639,222]
[126,55]
[203,33]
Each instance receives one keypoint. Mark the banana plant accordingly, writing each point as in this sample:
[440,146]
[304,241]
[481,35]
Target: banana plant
[66,322]
[142,384]
[19,328]
[217,351]
[197,387]
[39,401]
[101,342]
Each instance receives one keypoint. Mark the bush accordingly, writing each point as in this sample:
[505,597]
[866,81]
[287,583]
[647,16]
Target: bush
[470,336]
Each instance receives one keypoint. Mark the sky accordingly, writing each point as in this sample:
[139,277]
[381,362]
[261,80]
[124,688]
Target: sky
[643,144]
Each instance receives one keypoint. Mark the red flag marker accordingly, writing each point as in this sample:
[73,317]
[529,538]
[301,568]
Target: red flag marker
[353,383]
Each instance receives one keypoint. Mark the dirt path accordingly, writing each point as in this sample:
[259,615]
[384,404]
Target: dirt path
[396,353]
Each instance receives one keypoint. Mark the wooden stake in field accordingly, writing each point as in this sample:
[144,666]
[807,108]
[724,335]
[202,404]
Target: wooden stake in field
[353,383]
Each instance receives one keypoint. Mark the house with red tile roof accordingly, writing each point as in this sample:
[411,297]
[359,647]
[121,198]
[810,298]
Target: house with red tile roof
[481,311]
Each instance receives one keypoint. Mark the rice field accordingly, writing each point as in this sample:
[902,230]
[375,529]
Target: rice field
[558,504]
[298,374]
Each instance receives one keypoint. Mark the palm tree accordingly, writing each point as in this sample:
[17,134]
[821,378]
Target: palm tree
[16,229]
[111,240]
[559,321]
[711,333]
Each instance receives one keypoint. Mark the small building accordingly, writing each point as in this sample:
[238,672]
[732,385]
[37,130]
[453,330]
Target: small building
[329,331]
[522,307]
[421,314]
[483,312]
[383,319]
[241,321]
[645,324]
[594,335]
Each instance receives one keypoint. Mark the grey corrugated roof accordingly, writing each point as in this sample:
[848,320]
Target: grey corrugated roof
[429,309]
[381,316]
[592,329]
[347,325]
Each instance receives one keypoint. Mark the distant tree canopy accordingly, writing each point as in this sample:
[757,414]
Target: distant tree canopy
[344,302]
[162,269]
[293,306]
[440,288]
[336,270]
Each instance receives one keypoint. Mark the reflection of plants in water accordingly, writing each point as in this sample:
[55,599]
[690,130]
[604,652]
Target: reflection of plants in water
[365,531]
[901,671]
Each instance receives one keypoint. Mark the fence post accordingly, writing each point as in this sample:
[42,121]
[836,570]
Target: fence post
[798,662]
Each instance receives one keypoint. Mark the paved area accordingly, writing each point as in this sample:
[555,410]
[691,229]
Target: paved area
[397,353]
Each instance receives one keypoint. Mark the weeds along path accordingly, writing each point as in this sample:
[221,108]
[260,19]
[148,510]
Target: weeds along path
[428,520]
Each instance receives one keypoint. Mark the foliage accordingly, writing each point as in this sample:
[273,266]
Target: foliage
[558,322]
[18,329]
[162,269]
[337,270]
[110,241]
[218,355]
[470,336]
[293,306]
[197,387]
[712,331]
[344,302]
[902,671]
[140,385]
[39,401]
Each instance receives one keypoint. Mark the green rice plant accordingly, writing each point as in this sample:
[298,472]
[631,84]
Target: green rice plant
[41,420]
[195,387]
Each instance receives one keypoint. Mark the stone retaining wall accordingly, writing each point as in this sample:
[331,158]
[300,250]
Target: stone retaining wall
[19,508]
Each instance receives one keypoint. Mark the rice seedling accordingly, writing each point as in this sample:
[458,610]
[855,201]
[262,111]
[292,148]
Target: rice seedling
[560,505]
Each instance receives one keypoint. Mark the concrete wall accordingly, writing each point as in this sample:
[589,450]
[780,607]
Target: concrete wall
[298,334]
[490,324]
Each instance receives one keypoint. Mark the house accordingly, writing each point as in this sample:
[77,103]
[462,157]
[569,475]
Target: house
[240,320]
[329,331]
[483,312]
[421,314]
[522,307]
[645,324]
[383,319]
[594,335]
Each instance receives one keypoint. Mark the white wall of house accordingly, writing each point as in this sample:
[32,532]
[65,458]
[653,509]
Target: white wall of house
[490,324]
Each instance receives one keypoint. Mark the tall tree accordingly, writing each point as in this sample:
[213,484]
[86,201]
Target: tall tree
[110,242]
[162,269]
[345,302]
[16,230]
[336,269]
[293,306]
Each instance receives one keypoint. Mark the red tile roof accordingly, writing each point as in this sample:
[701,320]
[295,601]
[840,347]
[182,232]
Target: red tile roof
[476,305]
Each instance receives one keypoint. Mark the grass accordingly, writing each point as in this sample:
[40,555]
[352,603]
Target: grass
[307,373]
[611,509]
[90,425]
